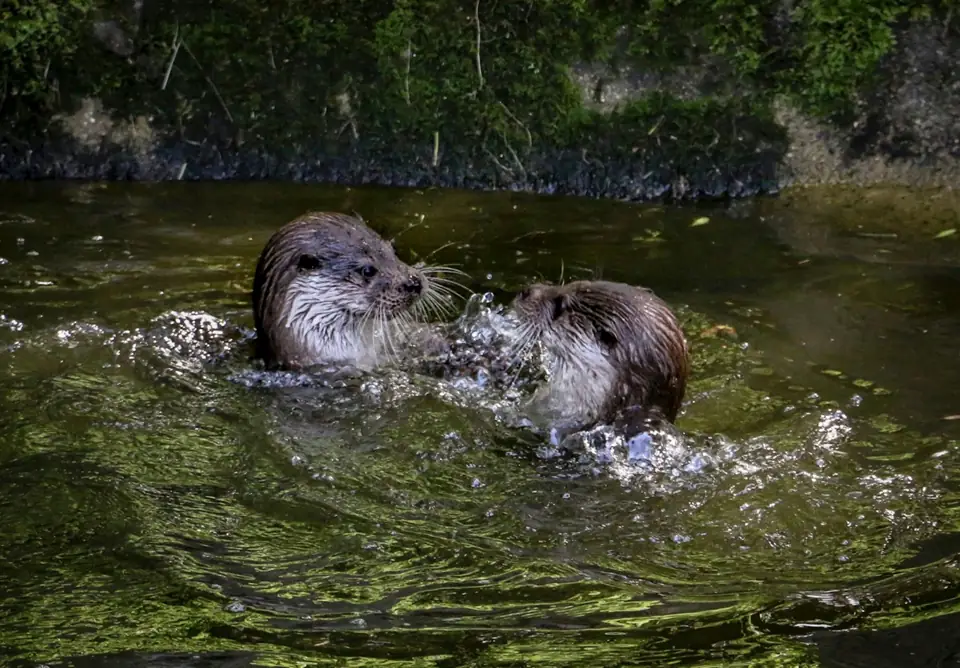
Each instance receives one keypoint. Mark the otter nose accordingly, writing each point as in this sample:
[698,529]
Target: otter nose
[414,285]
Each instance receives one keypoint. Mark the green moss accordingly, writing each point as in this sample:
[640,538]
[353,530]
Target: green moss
[495,76]
[35,38]
[464,71]
[840,45]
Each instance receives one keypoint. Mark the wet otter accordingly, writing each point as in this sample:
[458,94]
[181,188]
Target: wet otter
[609,349]
[328,289]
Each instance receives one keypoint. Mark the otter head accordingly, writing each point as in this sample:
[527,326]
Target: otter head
[328,289]
[607,347]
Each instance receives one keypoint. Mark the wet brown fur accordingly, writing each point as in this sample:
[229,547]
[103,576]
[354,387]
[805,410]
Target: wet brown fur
[326,258]
[617,347]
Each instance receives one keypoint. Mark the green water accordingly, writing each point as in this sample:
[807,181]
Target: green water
[151,505]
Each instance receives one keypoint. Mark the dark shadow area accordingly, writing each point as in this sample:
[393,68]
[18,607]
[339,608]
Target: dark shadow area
[933,643]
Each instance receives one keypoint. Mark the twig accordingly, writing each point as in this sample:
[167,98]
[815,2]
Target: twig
[656,126]
[343,100]
[437,250]
[499,164]
[176,49]
[406,78]
[516,158]
[436,148]
[518,122]
[273,60]
[213,86]
[476,19]
[409,227]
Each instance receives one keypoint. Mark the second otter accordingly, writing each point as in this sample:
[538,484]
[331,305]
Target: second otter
[608,347]
[328,289]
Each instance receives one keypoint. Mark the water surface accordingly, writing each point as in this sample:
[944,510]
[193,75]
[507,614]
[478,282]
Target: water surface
[153,505]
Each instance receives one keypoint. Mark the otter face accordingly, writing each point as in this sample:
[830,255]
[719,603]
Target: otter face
[607,346]
[327,286]
[349,279]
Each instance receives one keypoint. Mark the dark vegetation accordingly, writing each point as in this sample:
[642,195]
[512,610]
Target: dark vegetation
[479,87]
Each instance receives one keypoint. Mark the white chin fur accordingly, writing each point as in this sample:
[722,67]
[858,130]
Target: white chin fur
[579,382]
[324,333]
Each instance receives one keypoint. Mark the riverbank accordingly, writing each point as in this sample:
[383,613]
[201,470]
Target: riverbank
[734,99]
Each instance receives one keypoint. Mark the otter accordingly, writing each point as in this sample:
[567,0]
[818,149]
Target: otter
[611,351]
[330,290]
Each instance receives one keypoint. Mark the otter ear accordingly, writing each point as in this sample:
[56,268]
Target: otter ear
[607,338]
[559,306]
[308,262]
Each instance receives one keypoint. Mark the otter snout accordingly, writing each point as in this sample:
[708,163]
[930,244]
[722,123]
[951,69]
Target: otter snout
[413,285]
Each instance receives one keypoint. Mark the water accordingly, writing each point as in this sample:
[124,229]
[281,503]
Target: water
[156,510]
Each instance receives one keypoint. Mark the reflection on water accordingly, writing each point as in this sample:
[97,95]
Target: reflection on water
[158,497]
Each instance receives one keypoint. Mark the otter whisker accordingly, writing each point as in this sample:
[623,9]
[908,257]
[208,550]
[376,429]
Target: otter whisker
[526,338]
[439,282]
[402,329]
[398,327]
[420,309]
[443,276]
[383,332]
[403,323]
[521,356]
[443,269]
[444,290]
[450,287]
[439,278]
[365,328]
[389,331]
[435,304]
[439,296]
[443,300]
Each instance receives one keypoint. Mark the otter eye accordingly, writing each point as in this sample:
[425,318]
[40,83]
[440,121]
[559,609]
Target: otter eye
[308,263]
[368,271]
[558,307]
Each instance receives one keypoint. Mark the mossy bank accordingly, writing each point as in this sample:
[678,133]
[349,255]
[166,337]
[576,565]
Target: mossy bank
[669,98]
